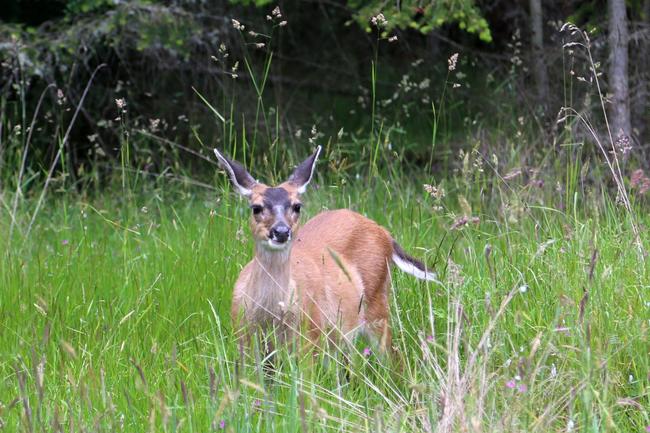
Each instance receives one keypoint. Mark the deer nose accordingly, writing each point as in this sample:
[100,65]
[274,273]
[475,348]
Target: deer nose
[280,233]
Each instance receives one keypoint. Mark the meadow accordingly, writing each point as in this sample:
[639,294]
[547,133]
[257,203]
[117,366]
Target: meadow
[116,281]
[115,312]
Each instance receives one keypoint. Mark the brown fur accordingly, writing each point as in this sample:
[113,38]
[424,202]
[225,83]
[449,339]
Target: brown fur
[336,274]
[330,278]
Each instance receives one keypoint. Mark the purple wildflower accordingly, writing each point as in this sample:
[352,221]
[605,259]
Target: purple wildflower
[511,384]
[65,242]
[522,388]
[222,424]
[367,352]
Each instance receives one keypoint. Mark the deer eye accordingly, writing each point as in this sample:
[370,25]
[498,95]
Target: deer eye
[297,207]
[257,209]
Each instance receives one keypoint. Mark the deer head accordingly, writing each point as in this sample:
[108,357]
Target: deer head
[275,210]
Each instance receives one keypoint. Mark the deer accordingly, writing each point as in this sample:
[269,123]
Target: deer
[329,277]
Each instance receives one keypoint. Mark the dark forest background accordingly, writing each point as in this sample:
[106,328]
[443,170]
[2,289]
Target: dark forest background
[331,70]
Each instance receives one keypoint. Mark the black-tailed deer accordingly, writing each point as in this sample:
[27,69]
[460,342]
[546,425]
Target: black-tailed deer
[330,277]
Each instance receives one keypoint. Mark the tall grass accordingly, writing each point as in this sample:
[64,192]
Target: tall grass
[114,306]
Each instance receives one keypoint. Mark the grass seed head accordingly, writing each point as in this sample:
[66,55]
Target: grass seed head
[451,62]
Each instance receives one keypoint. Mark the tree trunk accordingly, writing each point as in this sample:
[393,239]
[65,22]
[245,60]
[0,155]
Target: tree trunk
[537,42]
[640,94]
[618,70]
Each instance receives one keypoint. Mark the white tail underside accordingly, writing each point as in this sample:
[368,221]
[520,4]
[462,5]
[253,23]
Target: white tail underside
[411,269]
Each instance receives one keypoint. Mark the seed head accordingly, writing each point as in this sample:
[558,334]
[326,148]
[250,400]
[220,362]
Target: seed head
[379,20]
[237,25]
[452,61]
[622,143]
[60,97]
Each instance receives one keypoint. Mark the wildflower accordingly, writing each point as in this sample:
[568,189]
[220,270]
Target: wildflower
[269,18]
[276,12]
[622,143]
[222,424]
[367,352]
[282,23]
[522,388]
[65,242]
[237,25]
[434,191]
[153,124]
[464,220]
[647,429]
[523,288]
[640,180]
[455,86]
[392,39]
[260,45]
[379,20]
[430,339]
[60,97]
[121,103]
[637,177]
[452,61]
[511,384]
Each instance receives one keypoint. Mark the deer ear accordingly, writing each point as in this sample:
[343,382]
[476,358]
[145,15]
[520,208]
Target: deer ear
[239,177]
[303,174]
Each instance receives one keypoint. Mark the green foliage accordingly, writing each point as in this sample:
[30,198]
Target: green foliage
[256,3]
[78,7]
[425,18]
[413,14]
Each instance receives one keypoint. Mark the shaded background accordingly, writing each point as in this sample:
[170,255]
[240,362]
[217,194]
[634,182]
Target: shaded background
[319,81]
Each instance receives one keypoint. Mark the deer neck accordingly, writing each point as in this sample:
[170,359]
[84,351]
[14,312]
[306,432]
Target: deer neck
[270,284]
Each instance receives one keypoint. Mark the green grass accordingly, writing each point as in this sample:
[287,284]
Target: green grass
[114,305]
[114,317]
